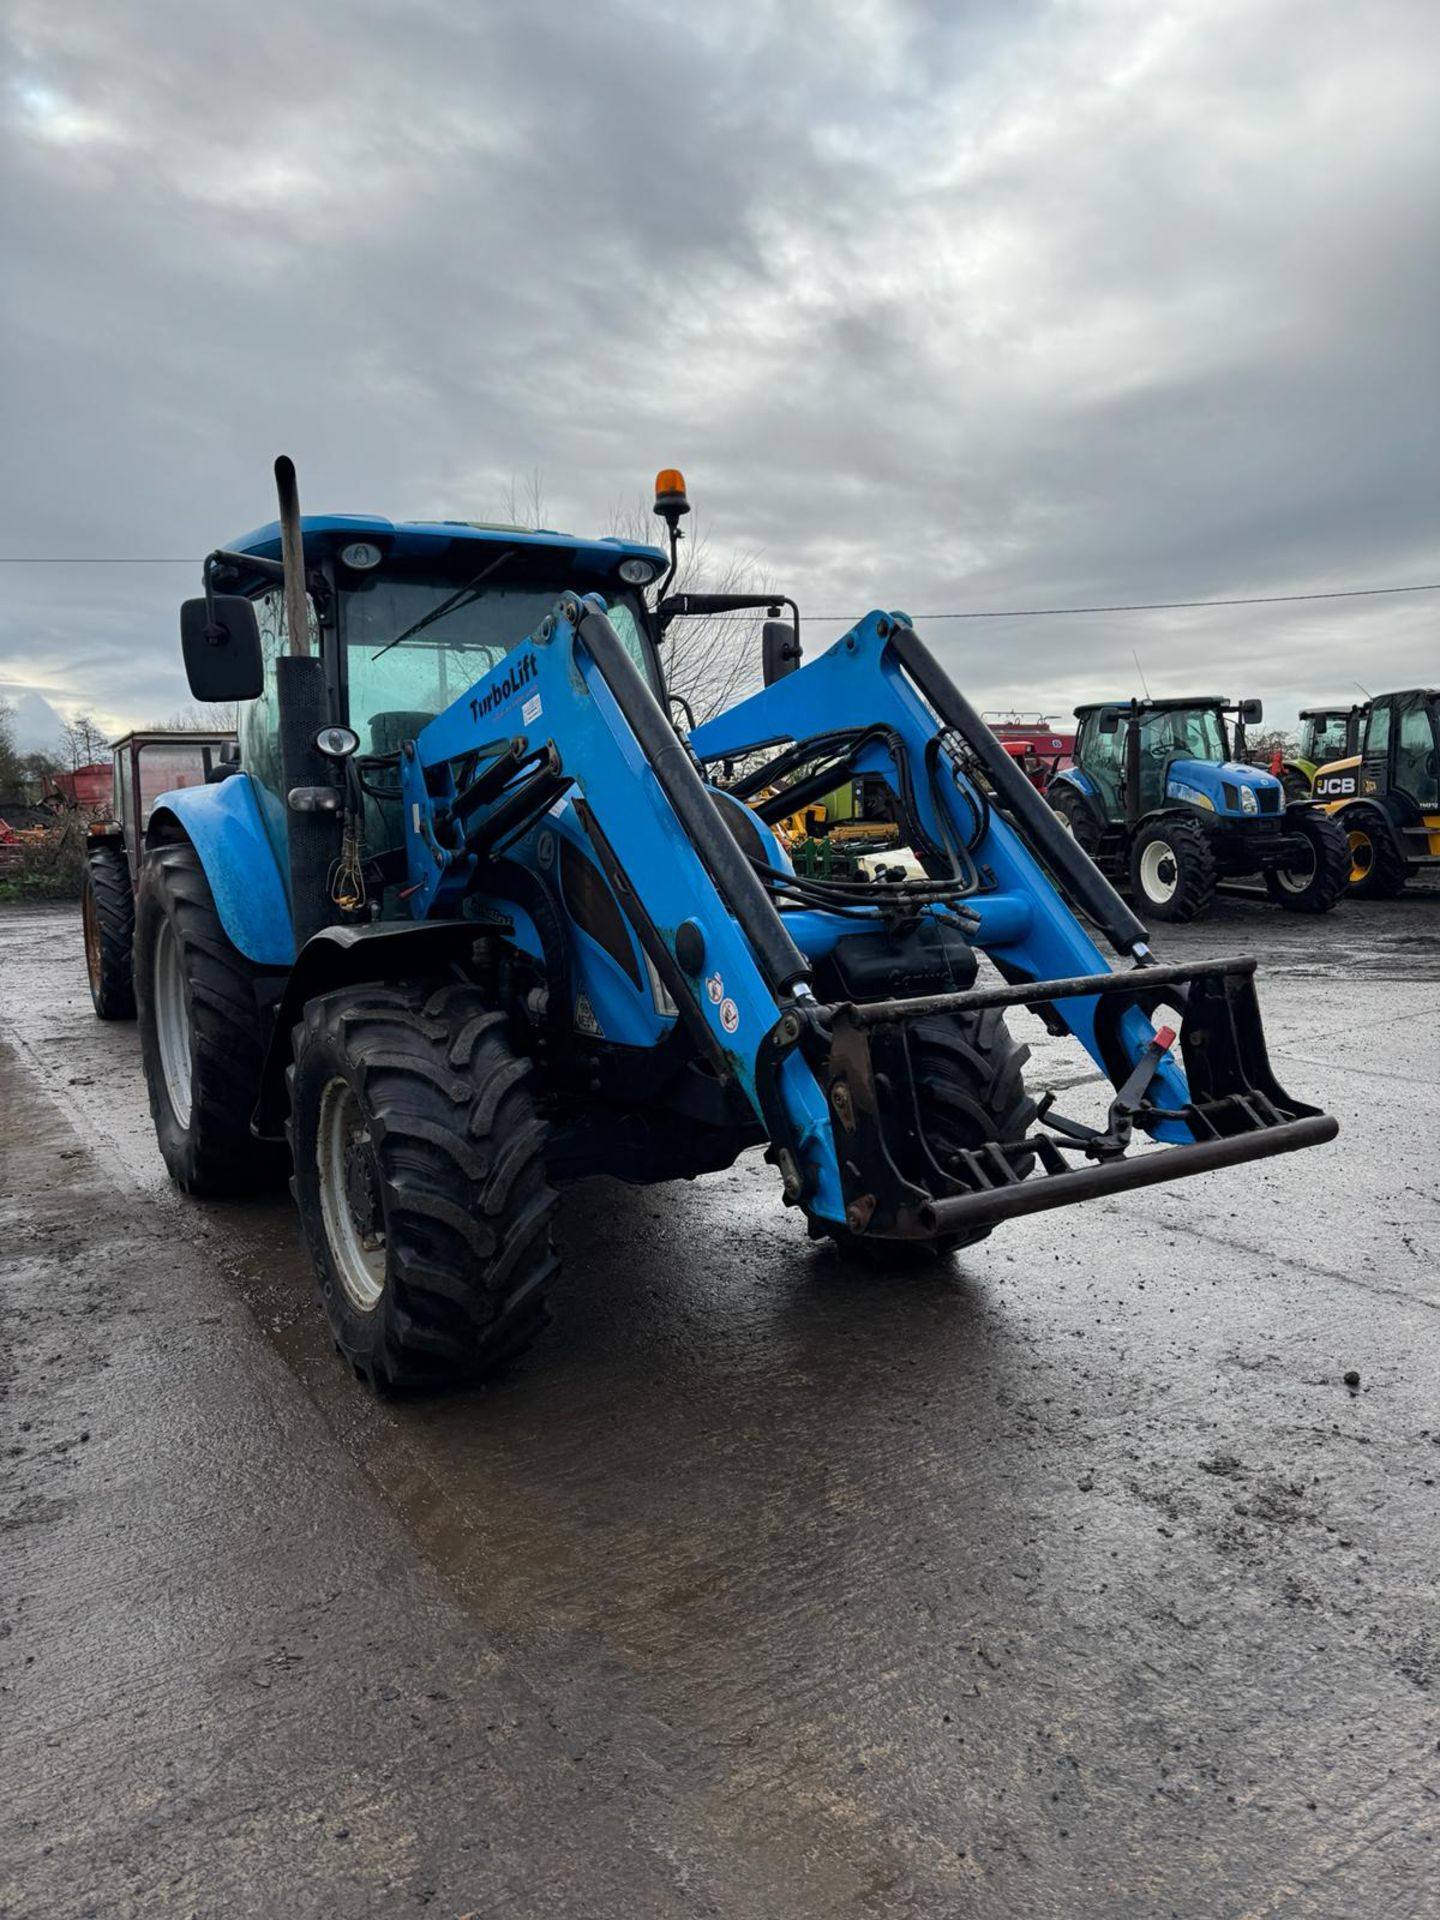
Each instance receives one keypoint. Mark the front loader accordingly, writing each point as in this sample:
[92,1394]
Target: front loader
[476,920]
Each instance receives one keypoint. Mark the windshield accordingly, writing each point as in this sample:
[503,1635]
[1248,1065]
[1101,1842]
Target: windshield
[394,689]
[1183,733]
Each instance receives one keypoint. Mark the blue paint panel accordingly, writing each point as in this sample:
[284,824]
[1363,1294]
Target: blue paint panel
[223,824]
[1210,777]
[1075,777]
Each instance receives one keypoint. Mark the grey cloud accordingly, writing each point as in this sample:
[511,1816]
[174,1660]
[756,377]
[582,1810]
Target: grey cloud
[939,307]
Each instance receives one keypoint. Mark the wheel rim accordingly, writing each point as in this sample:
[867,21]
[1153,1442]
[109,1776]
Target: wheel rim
[350,1195]
[1298,879]
[90,922]
[172,1023]
[1159,871]
[1362,853]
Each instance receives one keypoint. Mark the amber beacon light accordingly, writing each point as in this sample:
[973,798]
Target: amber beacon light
[670,501]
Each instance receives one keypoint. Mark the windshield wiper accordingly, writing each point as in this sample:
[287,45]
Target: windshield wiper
[459,598]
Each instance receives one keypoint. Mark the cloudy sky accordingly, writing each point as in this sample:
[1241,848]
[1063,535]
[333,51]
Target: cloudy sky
[940,304]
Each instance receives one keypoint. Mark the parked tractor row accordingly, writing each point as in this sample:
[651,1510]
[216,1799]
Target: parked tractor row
[1163,797]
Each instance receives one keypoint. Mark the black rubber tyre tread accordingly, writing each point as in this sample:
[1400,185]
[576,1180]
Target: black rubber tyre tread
[969,1074]
[1074,808]
[1331,879]
[459,1154]
[215,1155]
[1389,869]
[111,899]
[1195,889]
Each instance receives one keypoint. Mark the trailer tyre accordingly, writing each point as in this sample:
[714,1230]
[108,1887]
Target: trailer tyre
[107,911]
[969,1078]
[1377,867]
[201,1032]
[1172,869]
[1319,883]
[419,1158]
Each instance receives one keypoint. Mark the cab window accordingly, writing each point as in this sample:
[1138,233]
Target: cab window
[396,684]
[259,723]
[1102,756]
[1415,772]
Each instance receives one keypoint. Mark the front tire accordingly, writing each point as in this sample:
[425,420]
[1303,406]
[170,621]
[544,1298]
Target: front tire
[1318,886]
[107,912]
[420,1177]
[1378,868]
[201,1033]
[1172,869]
[968,1073]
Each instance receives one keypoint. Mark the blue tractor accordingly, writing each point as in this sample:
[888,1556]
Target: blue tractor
[1156,800]
[473,917]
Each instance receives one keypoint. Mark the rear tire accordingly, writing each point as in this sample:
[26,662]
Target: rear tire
[969,1076]
[1321,886]
[107,911]
[1172,869]
[201,1034]
[1378,868]
[420,1177]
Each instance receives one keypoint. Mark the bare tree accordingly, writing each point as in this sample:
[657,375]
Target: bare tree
[1261,746]
[709,662]
[523,502]
[215,716]
[83,742]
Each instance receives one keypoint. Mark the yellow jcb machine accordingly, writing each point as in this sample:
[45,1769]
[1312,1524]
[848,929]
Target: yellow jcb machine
[1387,795]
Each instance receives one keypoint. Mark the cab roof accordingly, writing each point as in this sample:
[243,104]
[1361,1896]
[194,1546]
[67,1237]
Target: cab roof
[445,540]
[1154,706]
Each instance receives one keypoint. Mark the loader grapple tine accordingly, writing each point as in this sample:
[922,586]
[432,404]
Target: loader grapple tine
[1237,1110]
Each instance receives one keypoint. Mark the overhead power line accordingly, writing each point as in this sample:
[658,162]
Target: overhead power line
[1151,606]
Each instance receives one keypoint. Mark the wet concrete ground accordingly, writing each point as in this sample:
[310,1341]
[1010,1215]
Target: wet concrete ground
[1069,1581]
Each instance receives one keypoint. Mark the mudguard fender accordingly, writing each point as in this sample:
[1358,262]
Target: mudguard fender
[223,824]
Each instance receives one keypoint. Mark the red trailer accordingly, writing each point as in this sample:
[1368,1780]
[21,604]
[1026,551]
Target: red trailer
[88,787]
[1036,742]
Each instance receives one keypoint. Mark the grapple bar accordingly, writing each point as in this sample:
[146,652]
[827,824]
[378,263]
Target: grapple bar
[895,1189]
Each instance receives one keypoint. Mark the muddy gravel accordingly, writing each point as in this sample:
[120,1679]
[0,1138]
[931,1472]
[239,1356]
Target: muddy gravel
[1093,1574]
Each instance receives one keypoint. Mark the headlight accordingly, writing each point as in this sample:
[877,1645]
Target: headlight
[337,743]
[639,573]
[360,556]
[1248,802]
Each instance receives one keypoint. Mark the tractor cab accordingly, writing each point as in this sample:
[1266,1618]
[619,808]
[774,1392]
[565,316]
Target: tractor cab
[404,616]
[1154,754]
[1327,733]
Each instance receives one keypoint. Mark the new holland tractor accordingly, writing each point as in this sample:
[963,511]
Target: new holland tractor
[1384,795]
[475,919]
[1155,799]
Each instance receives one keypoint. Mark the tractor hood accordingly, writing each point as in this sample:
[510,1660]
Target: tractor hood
[1227,786]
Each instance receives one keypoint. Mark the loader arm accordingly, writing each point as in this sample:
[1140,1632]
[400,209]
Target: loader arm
[593,728]
[568,714]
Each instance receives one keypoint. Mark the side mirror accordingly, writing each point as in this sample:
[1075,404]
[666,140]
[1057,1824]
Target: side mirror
[1252,712]
[780,650]
[1110,720]
[220,641]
